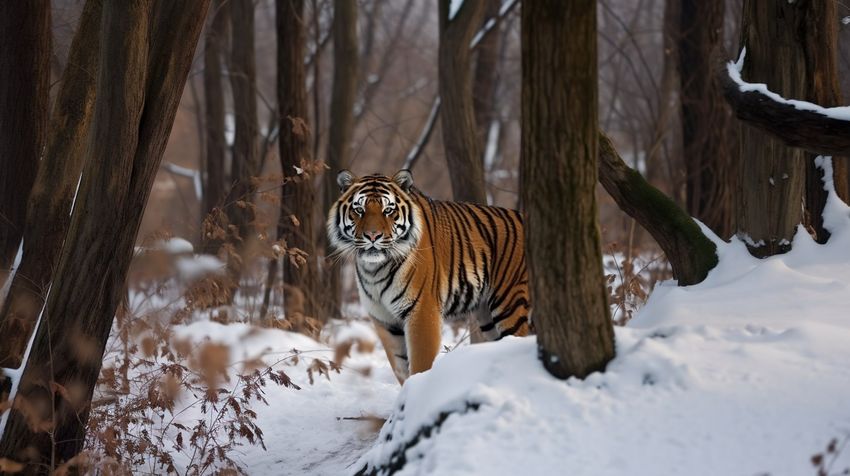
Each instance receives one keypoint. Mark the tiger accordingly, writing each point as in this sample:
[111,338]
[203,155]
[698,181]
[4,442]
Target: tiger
[421,261]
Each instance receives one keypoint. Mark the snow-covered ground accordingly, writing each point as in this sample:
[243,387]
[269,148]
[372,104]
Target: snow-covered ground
[747,373]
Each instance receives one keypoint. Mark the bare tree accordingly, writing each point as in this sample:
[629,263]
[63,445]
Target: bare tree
[145,58]
[457,113]
[707,128]
[558,180]
[486,76]
[246,161]
[343,94]
[54,188]
[24,81]
[295,224]
[215,184]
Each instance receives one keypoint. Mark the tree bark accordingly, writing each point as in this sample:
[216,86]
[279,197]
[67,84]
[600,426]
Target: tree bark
[295,224]
[690,253]
[486,78]
[54,188]
[707,135]
[24,96]
[820,44]
[215,183]
[771,176]
[457,113]
[800,128]
[137,98]
[343,93]
[246,161]
[558,186]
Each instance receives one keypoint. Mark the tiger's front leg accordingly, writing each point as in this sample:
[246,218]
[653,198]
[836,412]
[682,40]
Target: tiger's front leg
[423,332]
[395,346]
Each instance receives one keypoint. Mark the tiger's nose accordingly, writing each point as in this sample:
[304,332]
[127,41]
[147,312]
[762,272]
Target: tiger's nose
[373,235]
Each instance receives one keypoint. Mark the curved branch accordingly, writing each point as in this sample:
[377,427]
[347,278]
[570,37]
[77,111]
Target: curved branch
[691,254]
[801,124]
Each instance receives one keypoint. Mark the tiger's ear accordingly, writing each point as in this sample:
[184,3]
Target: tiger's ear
[404,179]
[344,179]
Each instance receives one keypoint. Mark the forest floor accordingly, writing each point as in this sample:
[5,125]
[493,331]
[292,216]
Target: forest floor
[747,373]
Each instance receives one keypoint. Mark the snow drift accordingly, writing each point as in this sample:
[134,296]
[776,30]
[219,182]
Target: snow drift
[745,373]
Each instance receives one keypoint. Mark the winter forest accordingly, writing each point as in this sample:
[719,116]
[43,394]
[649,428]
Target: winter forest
[448,237]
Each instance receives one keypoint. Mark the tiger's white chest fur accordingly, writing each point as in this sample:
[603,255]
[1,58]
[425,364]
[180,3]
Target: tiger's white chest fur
[380,291]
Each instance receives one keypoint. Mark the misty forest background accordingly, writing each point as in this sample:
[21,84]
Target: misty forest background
[269,99]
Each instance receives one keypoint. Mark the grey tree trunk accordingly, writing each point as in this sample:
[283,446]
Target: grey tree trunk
[24,96]
[246,160]
[215,182]
[457,113]
[145,58]
[343,94]
[486,77]
[558,185]
[707,126]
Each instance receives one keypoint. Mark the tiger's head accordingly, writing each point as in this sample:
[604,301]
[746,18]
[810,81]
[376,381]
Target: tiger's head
[375,219]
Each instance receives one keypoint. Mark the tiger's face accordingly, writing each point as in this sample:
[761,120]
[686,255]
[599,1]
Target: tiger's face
[375,218]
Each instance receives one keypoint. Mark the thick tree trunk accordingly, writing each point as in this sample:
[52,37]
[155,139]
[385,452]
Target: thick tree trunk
[343,94]
[457,113]
[690,253]
[770,175]
[137,98]
[24,97]
[295,224]
[215,183]
[53,191]
[822,88]
[707,135]
[558,184]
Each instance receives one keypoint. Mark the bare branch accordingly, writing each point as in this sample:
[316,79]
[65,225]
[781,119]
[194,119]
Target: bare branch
[424,136]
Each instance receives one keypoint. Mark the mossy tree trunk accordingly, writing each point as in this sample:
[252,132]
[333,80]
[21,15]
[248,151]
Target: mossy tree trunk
[690,253]
[343,94]
[49,204]
[457,112]
[24,97]
[295,224]
[770,174]
[558,185]
[145,58]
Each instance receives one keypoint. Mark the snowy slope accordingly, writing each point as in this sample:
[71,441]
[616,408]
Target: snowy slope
[746,373]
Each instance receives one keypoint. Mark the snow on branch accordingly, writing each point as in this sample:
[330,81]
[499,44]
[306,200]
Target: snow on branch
[801,124]
[191,174]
